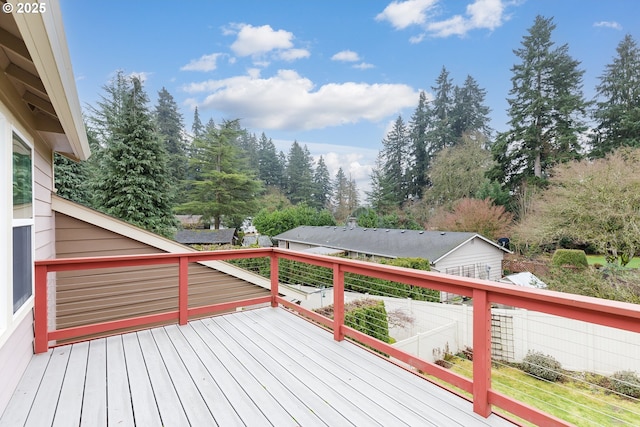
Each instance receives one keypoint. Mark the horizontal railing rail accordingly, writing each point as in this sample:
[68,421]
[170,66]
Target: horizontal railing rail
[483,293]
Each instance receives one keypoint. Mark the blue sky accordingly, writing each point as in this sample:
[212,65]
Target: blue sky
[330,74]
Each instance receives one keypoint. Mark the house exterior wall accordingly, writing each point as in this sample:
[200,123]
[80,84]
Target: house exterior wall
[108,294]
[16,329]
[472,259]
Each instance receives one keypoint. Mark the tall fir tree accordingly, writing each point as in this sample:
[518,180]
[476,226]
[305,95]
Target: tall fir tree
[197,128]
[395,149]
[470,115]
[299,174]
[546,108]
[441,133]
[322,186]
[133,183]
[223,190]
[418,127]
[617,112]
[381,200]
[270,169]
[171,129]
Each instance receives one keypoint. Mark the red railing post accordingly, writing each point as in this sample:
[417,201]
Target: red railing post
[183,290]
[40,309]
[481,352]
[274,280]
[338,302]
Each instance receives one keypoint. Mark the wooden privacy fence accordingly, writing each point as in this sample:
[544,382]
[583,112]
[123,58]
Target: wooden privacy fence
[484,293]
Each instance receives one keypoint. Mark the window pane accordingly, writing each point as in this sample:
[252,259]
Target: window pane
[22,180]
[22,266]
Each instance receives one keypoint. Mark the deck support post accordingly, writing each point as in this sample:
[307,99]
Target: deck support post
[338,302]
[481,352]
[183,290]
[41,311]
[273,275]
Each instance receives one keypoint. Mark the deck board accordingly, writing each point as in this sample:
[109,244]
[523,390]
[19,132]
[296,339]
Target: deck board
[259,367]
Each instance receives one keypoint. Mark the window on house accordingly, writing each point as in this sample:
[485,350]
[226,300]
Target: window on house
[22,223]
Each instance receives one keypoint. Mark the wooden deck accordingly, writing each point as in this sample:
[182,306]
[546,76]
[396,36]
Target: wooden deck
[253,368]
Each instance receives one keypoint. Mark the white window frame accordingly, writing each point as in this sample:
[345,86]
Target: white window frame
[27,305]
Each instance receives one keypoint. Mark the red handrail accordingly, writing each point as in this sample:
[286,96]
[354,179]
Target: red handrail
[593,310]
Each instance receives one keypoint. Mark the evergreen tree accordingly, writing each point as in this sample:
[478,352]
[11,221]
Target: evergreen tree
[197,129]
[341,196]
[618,110]
[380,199]
[546,109]
[470,114]
[223,190]
[418,127]
[270,168]
[395,147]
[441,133]
[133,183]
[249,144]
[299,174]
[170,128]
[322,184]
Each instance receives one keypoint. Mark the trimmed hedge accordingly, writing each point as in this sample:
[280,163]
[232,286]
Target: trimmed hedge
[626,383]
[574,257]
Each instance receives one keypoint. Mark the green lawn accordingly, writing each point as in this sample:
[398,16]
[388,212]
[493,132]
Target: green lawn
[599,259]
[578,402]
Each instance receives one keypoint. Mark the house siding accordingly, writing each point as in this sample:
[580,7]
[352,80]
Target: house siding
[471,260]
[85,297]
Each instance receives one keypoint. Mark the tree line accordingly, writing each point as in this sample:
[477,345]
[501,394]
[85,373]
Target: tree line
[444,167]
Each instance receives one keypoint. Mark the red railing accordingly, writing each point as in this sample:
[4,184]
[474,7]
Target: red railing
[592,310]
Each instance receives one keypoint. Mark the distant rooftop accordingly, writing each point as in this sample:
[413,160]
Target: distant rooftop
[206,237]
[384,242]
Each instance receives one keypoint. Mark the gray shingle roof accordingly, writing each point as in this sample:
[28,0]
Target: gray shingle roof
[390,243]
[205,237]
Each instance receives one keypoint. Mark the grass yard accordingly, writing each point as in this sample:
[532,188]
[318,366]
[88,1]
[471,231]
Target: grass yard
[579,402]
[599,259]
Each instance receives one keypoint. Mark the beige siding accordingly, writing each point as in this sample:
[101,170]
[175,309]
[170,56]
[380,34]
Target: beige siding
[473,257]
[109,294]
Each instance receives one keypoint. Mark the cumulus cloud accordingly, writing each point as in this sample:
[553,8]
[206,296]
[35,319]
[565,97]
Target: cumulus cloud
[258,40]
[363,66]
[204,63]
[608,24]
[403,14]
[293,54]
[346,56]
[481,14]
[288,101]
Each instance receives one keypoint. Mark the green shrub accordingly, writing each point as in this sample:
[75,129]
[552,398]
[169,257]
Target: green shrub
[627,383]
[542,366]
[366,315]
[574,257]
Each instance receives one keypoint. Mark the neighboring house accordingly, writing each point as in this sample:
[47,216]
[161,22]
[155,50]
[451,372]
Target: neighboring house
[226,236]
[39,114]
[459,253]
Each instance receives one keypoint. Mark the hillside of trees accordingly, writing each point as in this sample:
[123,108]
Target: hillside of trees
[564,173]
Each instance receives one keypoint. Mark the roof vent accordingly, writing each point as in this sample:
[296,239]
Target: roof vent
[387,230]
[442,233]
[364,229]
[375,229]
[402,231]
[421,232]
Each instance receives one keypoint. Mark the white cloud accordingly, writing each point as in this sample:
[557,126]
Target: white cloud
[480,14]
[364,66]
[258,40]
[346,56]
[288,101]
[608,24]
[406,13]
[293,54]
[204,63]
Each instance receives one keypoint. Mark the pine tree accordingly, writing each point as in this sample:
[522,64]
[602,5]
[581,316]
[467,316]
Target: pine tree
[133,183]
[470,114]
[322,185]
[270,168]
[546,109]
[222,190]
[395,147]
[170,128]
[618,110]
[299,174]
[441,133]
[197,129]
[381,200]
[418,127]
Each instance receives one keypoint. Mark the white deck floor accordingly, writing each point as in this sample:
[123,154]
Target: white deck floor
[253,368]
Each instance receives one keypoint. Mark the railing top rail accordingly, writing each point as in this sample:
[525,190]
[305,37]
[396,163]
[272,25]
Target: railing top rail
[552,302]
